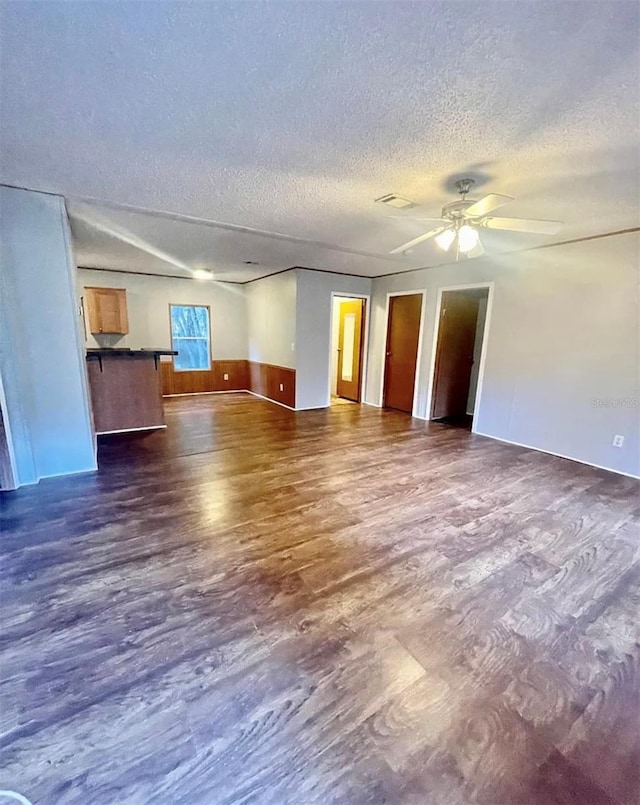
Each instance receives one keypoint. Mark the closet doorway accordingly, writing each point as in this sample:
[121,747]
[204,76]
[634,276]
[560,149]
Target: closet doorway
[348,348]
[458,364]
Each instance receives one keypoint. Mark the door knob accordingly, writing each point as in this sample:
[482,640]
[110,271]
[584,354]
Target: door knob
[388,354]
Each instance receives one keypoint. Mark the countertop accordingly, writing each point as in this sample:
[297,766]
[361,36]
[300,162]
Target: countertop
[124,352]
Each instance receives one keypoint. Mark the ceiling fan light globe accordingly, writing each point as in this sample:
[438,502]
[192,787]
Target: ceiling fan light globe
[467,238]
[445,239]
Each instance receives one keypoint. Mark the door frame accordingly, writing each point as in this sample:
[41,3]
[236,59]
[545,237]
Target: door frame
[12,468]
[423,307]
[483,351]
[364,347]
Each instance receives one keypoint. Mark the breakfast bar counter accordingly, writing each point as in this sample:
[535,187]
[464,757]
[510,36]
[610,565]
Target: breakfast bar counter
[125,389]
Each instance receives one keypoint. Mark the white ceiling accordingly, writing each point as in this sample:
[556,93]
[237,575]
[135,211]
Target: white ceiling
[282,122]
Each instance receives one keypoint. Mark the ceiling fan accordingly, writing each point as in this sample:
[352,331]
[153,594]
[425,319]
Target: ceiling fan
[462,219]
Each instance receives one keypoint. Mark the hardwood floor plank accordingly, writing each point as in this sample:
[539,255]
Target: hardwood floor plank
[339,606]
[604,743]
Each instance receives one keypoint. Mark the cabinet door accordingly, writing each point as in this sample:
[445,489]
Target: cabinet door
[107,310]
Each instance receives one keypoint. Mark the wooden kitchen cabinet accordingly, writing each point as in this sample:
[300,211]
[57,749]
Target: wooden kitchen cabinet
[106,310]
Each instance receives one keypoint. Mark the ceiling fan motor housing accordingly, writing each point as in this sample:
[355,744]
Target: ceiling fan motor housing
[455,209]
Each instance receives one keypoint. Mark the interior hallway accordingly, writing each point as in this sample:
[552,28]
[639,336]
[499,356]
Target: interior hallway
[338,606]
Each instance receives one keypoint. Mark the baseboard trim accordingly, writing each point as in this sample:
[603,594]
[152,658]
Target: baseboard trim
[201,393]
[130,430]
[370,404]
[275,402]
[558,455]
[235,391]
[55,475]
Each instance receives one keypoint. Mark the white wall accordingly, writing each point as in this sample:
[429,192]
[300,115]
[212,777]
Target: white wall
[271,316]
[313,316]
[148,300]
[41,355]
[563,333]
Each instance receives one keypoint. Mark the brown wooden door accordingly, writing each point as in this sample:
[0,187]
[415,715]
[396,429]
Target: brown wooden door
[350,338]
[403,333]
[454,354]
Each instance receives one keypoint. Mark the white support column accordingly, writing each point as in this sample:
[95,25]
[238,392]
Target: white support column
[41,352]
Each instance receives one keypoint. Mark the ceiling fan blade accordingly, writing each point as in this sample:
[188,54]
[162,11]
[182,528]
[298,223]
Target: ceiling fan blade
[486,205]
[419,239]
[410,218]
[523,225]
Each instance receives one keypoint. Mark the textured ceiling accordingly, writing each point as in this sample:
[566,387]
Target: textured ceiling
[291,118]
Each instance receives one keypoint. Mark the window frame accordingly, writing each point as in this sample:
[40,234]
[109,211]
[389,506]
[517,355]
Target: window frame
[192,338]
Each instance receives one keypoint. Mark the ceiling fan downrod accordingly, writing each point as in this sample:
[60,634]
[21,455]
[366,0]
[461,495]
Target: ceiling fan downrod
[464,186]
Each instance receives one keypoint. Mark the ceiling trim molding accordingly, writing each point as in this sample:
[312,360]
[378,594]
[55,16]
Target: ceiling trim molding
[266,276]
[246,230]
[362,276]
[163,276]
[193,219]
[292,239]
[318,270]
[225,282]
[31,190]
[519,251]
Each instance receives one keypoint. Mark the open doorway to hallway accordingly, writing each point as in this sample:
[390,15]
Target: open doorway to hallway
[347,349]
[458,358]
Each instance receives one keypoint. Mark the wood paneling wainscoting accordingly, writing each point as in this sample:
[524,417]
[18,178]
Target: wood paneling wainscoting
[275,382]
[199,381]
[262,378]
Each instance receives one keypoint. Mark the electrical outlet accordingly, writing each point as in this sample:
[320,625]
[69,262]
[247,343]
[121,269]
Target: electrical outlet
[293,346]
[618,440]
[281,386]
[226,377]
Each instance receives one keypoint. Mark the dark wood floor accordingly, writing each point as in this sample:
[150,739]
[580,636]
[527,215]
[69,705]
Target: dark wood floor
[344,606]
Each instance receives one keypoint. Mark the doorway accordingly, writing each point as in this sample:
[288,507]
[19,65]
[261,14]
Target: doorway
[404,325]
[458,356]
[347,352]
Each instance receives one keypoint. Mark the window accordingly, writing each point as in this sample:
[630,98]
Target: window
[190,337]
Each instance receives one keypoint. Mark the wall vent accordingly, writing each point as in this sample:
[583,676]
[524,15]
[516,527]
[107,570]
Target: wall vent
[394,200]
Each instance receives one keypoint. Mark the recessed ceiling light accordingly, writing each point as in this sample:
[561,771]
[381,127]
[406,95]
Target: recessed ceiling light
[393,200]
[202,274]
